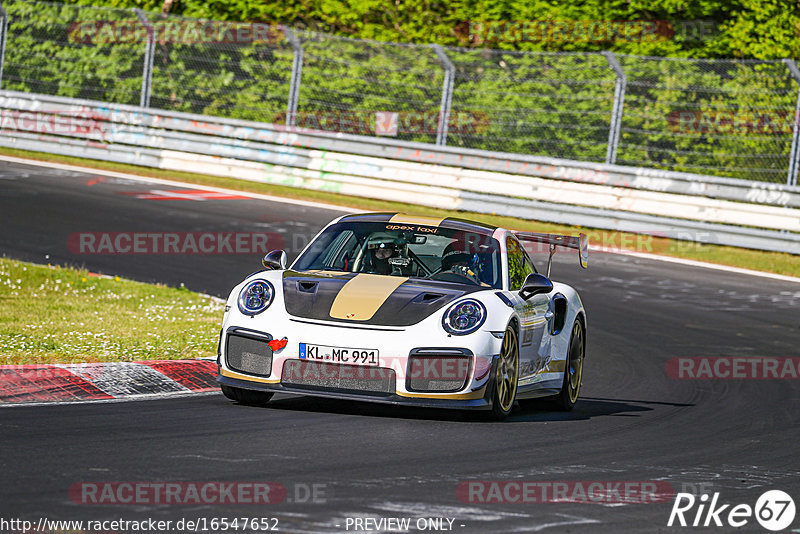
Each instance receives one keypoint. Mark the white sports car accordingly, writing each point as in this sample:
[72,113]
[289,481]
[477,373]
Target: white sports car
[407,310]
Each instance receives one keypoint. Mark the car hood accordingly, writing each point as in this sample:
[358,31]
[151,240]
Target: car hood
[366,298]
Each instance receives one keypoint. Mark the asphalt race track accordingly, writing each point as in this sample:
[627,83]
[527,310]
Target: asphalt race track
[633,422]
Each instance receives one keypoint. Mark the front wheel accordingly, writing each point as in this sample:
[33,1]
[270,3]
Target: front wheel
[573,371]
[246,396]
[506,376]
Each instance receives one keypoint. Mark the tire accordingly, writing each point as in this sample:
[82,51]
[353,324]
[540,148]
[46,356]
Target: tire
[246,396]
[506,376]
[573,370]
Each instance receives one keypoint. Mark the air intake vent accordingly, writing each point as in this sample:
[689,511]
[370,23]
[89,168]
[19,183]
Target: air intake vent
[438,373]
[248,355]
[307,287]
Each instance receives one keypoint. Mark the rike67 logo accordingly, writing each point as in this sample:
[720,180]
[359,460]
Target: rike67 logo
[774,511]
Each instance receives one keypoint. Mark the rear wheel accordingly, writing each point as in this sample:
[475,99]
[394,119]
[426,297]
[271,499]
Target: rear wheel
[246,396]
[573,372]
[506,376]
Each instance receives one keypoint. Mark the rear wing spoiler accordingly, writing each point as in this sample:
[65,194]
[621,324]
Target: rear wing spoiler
[579,242]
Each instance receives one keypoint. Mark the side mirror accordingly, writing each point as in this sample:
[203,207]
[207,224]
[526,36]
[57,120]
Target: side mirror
[274,260]
[535,284]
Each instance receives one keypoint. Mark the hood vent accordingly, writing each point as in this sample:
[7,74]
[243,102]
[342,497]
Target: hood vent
[427,298]
[307,287]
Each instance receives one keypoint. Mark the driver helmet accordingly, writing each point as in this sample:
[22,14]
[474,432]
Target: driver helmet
[461,257]
[382,246]
[386,254]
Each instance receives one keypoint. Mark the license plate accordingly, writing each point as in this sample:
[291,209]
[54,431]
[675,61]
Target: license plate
[338,354]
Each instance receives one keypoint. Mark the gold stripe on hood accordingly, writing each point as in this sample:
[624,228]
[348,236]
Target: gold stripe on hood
[360,298]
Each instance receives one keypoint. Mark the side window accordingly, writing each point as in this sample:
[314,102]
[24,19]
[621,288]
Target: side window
[340,253]
[516,264]
[519,264]
[529,267]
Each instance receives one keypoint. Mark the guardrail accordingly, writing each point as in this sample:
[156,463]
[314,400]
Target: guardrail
[677,205]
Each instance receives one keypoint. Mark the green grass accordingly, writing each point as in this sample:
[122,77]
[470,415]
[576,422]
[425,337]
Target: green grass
[774,262]
[61,315]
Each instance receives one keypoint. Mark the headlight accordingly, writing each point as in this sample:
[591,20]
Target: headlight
[464,317]
[256,297]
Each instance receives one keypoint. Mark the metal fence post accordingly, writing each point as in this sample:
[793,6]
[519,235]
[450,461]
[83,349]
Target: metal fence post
[447,94]
[616,111]
[147,71]
[794,152]
[297,74]
[3,32]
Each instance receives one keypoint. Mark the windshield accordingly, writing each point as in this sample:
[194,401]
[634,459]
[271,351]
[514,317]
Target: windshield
[426,252]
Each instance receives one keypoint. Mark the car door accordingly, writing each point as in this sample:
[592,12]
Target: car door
[531,312]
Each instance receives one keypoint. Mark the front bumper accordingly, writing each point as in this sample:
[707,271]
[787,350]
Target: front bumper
[397,349]
[478,400]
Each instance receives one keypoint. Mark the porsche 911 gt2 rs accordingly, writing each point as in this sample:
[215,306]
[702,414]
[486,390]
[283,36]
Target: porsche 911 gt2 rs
[408,310]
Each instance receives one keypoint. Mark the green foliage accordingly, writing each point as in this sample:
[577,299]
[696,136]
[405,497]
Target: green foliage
[690,115]
[758,29]
[724,117]
[548,104]
[43,55]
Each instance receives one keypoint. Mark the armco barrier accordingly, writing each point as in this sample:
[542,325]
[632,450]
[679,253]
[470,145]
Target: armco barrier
[683,206]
